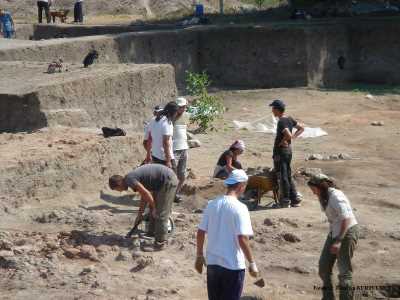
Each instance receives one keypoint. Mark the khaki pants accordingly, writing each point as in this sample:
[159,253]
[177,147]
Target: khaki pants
[164,199]
[327,261]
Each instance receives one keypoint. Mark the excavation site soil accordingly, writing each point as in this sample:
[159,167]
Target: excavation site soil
[62,230]
[72,246]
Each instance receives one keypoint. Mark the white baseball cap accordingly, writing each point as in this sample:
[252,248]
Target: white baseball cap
[181,101]
[236,176]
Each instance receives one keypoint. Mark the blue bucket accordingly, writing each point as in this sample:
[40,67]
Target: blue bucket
[199,10]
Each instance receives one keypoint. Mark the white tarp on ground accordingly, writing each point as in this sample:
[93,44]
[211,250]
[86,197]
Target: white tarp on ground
[265,126]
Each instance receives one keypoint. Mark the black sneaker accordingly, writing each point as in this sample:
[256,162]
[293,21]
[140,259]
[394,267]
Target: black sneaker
[275,205]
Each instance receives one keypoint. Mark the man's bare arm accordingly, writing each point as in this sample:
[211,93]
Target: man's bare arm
[147,146]
[287,137]
[244,245]
[145,195]
[201,234]
[299,131]
[167,147]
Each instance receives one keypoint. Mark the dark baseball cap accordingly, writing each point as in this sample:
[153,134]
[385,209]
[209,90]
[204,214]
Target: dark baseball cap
[278,104]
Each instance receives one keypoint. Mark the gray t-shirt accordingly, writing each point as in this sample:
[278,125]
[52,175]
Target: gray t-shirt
[151,176]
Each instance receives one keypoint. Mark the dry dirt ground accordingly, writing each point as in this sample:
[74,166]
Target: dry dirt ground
[110,11]
[73,246]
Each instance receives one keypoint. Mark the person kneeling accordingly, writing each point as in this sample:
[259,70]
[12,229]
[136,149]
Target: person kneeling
[228,161]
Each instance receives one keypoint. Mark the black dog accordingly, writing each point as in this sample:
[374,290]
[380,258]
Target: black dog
[90,58]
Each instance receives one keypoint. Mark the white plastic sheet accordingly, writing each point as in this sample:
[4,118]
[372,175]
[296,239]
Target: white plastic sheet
[265,126]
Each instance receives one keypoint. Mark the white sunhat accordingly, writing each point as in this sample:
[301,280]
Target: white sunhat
[181,101]
[236,176]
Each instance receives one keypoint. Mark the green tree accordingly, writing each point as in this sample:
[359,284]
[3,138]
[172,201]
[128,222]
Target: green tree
[205,108]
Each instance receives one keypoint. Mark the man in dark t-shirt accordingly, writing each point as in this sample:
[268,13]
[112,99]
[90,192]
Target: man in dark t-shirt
[156,185]
[282,154]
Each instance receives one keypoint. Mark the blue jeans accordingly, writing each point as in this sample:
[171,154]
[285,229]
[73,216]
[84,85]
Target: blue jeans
[224,284]
[7,34]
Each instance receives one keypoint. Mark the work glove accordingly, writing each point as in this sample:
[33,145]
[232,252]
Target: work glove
[199,263]
[253,270]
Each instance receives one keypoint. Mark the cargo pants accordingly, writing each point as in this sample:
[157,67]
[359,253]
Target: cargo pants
[327,261]
[164,199]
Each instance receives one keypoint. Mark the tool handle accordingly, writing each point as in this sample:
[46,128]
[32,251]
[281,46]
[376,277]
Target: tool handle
[130,233]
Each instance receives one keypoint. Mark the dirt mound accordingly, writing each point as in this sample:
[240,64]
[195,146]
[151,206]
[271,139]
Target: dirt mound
[57,165]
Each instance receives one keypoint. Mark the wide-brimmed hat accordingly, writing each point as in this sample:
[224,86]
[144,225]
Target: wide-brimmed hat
[317,179]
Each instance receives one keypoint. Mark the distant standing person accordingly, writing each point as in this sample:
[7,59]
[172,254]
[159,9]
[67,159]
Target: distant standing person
[226,221]
[342,239]
[156,111]
[7,24]
[282,154]
[44,5]
[180,143]
[78,11]
[156,185]
[228,161]
[160,131]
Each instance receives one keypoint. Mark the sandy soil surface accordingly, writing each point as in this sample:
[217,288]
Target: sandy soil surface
[75,248]
[104,11]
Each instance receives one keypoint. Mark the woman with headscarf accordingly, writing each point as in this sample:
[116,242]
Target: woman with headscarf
[342,238]
[228,161]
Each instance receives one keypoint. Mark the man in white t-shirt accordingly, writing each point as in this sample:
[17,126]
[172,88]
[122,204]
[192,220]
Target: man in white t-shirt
[227,223]
[180,143]
[156,112]
[160,131]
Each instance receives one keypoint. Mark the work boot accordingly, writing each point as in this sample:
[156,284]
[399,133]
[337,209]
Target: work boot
[295,204]
[280,205]
[159,246]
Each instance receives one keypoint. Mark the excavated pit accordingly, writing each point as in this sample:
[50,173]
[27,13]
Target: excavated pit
[102,95]
[53,163]
[324,54]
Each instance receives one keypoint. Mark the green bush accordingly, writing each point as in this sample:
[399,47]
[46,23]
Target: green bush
[197,83]
[205,108]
